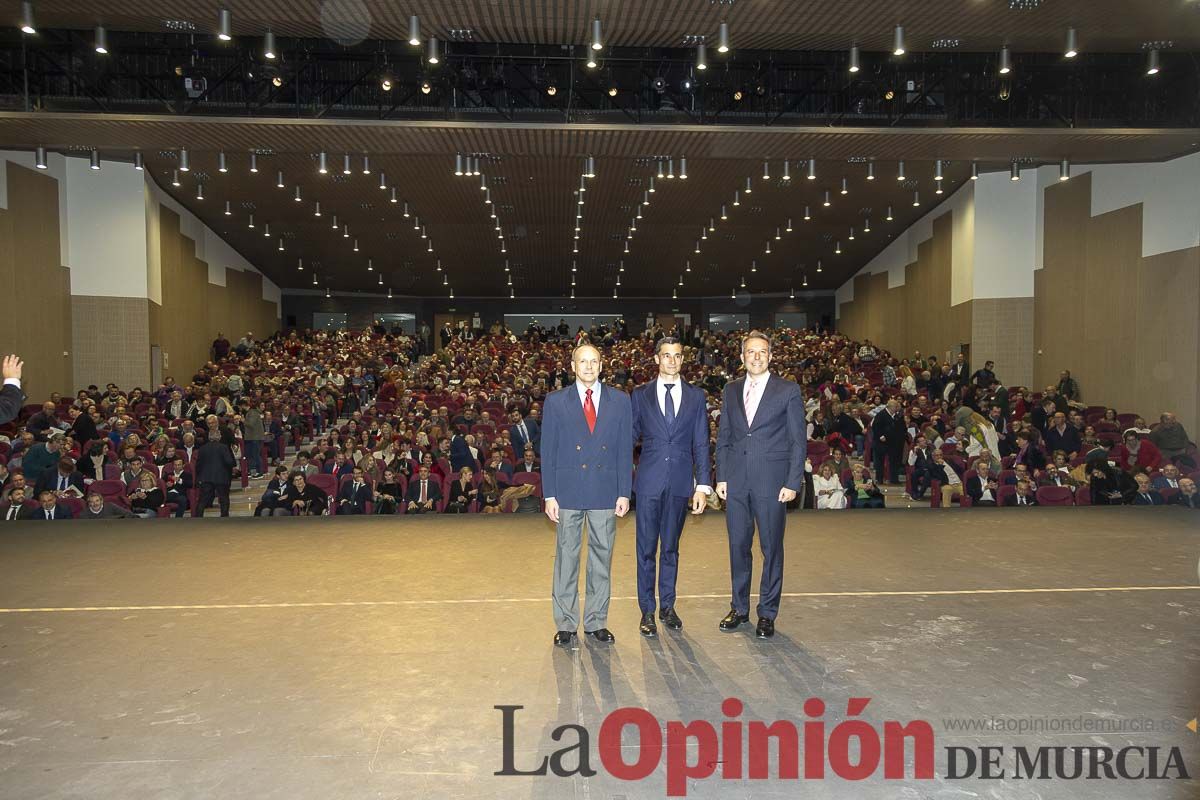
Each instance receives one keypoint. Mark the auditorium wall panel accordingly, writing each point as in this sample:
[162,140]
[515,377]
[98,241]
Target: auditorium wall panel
[1124,323]
[36,322]
[917,314]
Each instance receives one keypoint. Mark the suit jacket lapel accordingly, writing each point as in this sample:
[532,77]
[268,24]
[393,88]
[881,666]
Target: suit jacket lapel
[741,399]
[654,410]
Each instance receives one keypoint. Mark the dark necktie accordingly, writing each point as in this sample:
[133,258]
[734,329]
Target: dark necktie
[670,411]
[589,411]
[1146,497]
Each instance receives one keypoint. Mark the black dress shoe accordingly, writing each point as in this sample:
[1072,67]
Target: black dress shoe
[563,638]
[732,620]
[648,628]
[602,635]
[765,629]
[670,619]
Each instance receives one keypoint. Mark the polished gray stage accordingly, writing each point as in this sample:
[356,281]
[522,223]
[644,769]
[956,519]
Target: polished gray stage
[361,658]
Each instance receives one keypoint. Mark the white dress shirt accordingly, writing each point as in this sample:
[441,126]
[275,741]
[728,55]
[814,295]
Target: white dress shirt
[595,395]
[755,396]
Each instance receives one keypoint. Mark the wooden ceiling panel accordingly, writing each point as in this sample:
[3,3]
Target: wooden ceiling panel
[1103,25]
[533,172]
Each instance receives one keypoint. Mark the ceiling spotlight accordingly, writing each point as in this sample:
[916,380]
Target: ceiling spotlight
[254,162]
[826,202]
[683,168]
[838,249]
[854,59]
[414,30]
[269,45]
[199,191]
[431,51]
[701,56]
[1005,60]
[185,163]
[591,61]
[807,213]
[898,41]
[250,223]
[370,265]
[356,245]
[100,40]
[597,41]
[1064,170]
[279,180]
[322,165]
[723,214]
[743,286]
[787,175]
[916,198]
[382,180]
[1072,44]
[1152,63]
[723,38]
[297,197]
[818,265]
[736,200]
[852,234]
[791,294]
[221,162]
[405,206]
[277,81]
[386,81]
[228,209]
[138,162]
[870,170]
[889,214]
[345,230]
[317,209]
[39,158]
[426,88]
[974,170]
[867,225]
[589,170]
[670,169]
[768,248]
[778,233]
[299,264]
[712,224]
[937,188]
[661,174]
[266,230]
[224,24]
[27,24]
[612,91]
[812,169]
[281,245]
[175,177]
[789,225]
[845,188]
[697,250]
[346,164]
[749,188]
[766,171]
[937,170]
[900,171]
[737,95]
[1014,172]
[754,265]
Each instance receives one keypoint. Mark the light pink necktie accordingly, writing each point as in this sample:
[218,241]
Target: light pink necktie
[751,401]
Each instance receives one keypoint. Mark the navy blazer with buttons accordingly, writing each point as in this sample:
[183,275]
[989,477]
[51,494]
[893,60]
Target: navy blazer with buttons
[762,458]
[676,457]
[584,469]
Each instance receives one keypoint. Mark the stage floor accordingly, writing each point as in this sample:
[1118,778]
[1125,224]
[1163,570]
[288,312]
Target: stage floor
[362,658]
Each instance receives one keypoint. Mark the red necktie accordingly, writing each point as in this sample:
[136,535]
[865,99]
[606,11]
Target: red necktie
[589,411]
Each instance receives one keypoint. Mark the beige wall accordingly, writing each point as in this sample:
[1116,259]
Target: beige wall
[193,310]
[917,315]
[36,287]
[1126,325]
[112,341]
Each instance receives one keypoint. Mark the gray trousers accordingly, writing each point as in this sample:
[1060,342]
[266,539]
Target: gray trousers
[602,531]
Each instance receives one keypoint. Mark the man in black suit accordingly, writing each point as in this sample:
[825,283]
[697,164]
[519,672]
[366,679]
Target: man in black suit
[888,430]
[1189,495]
[15,508]
[354,494]
[11,396]
[527,464]
[423,493]
[1063,436]
[1024,496]
[761,448]
[1146,495]
[63,481]
[1042,417]
[960,371]
[982,486]
[276,488]
[921,460]
[49,508]
[178,481]
[214,472]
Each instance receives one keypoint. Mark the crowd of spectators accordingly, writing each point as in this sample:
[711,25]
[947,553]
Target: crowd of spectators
[373,422]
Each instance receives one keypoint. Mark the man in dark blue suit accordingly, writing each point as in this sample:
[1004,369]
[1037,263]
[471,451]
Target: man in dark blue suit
[673,473]
[761,446]
[524,431]
[354,494]
[587,474]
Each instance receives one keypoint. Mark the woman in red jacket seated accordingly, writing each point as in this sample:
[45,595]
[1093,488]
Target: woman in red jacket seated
[1137,452]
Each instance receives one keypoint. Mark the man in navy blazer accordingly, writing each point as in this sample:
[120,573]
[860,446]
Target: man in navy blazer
[762,442]
[587,474]
[49,508]
[354,494]
[524,431]
[674,473]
